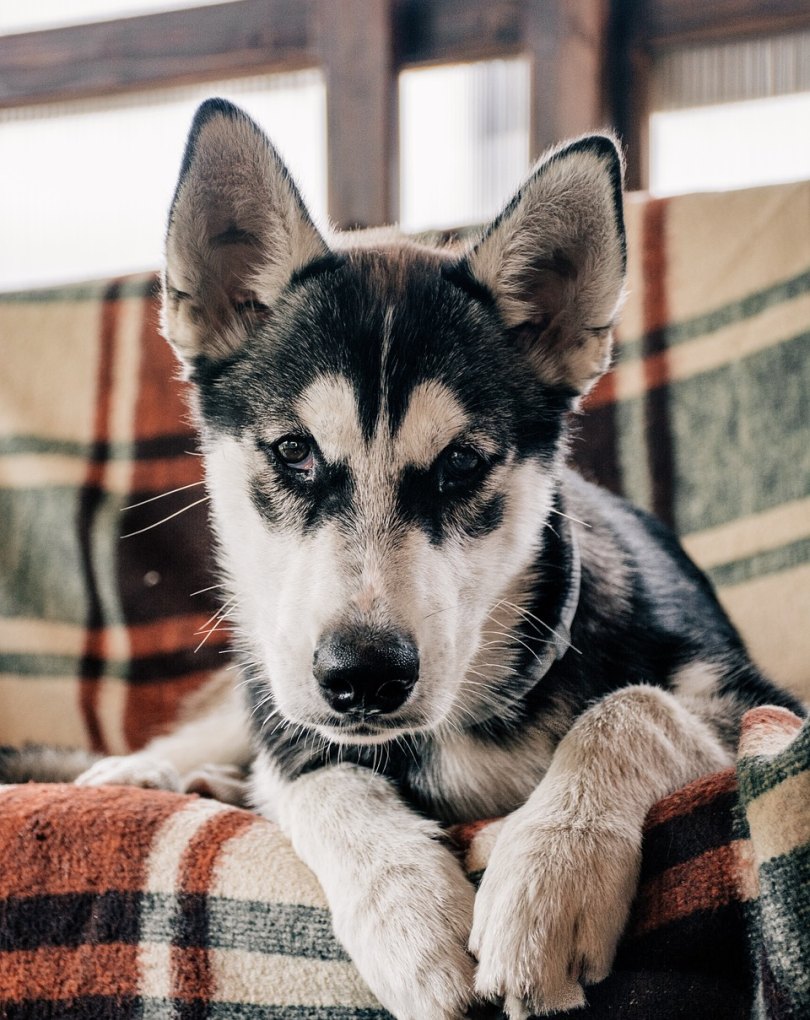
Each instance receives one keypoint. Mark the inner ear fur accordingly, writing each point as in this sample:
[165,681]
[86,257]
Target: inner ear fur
[238,230]
[554,260]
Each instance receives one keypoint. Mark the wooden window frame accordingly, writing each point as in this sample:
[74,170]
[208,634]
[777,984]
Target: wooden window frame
[640,29]
[591,64]
[360,45]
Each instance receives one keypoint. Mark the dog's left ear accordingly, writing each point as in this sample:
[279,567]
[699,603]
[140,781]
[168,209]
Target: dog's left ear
[554,260]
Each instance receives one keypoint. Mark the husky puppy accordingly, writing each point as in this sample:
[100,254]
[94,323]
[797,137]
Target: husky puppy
[437,619]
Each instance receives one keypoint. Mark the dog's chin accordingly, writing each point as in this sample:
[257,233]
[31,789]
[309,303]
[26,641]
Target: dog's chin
[363,732]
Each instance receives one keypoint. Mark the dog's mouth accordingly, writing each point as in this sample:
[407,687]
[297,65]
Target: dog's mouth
[366,731]
[371,726]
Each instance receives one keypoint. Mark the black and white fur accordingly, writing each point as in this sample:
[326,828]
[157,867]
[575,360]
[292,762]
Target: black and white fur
[437,619]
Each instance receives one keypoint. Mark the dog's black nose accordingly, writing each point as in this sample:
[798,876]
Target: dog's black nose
[367,673]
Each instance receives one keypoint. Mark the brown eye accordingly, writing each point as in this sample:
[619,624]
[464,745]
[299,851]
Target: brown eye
[460,465]
[463,460]
[295,452]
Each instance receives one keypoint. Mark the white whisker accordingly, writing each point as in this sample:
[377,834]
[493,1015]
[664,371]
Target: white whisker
[217,614]
[531,616]
[568,517]
[520,641]
[202,591]
[177,513]
[162,495]
[218,618]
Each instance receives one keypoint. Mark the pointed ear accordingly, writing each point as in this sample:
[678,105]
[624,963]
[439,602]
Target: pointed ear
[238,230]
[554,260]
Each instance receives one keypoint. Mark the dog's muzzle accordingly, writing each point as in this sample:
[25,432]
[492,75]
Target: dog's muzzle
[365,673]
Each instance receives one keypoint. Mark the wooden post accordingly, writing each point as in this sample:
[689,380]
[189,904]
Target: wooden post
[566,39]
[628,87]
[356,47]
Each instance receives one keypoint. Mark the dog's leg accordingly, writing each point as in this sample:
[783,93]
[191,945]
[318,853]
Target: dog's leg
[205,754]
[400,901]
[557,890]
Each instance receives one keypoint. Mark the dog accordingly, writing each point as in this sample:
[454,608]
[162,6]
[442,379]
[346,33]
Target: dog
[437,620]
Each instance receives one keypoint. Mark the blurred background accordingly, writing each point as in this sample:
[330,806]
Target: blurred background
[426,112]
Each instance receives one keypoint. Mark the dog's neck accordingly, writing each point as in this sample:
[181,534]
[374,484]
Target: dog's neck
[568,606]
[543,625]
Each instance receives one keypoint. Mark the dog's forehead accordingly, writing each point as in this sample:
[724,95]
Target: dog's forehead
[403,341]
[329,410]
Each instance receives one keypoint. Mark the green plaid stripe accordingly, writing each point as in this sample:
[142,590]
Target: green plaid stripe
[243,1011]
[286,929]
[19,445]
[729,314]
[774,780]
[741,442]
[770,562]
[758,775]
[142,286]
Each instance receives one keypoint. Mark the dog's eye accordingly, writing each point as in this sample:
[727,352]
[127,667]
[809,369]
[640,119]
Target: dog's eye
[459,465]
[295,452]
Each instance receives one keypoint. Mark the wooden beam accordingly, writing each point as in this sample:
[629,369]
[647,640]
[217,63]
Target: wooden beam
[627,85]
[452,31]
[155,50]
[671,22]
[356,54]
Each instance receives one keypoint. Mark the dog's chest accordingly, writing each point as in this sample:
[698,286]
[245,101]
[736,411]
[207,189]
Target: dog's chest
[466,777]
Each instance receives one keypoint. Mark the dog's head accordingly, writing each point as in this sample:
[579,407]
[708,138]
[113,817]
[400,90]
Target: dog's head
[383,422]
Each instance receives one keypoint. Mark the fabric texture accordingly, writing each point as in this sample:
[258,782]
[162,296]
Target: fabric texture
[127,903]
[101,636]
[704,419]
[774,794]
[134,903]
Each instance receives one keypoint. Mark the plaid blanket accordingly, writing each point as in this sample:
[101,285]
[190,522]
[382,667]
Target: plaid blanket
[132,903]
[704,419]
[100,635]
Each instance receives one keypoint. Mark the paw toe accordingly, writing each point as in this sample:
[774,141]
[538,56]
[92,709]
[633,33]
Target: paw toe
[148,773]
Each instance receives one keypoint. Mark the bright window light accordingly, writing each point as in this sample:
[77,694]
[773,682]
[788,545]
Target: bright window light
[730,145]
[24,16]
[87,185]
[464,141]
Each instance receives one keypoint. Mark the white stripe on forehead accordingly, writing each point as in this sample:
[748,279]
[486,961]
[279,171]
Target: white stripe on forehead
[328,411]
[433,420]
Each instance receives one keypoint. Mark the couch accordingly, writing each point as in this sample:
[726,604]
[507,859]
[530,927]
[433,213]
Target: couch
[135,903]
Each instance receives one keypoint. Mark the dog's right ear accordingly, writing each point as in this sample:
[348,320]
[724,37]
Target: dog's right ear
[238,230]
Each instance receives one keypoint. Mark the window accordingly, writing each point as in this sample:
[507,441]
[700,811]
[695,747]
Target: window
[730,145]
[23,16]
[731,115]
[87,185]
[464,141]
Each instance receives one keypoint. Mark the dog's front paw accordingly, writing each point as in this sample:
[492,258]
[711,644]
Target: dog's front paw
[132,770]
[550,911]
[407,934]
